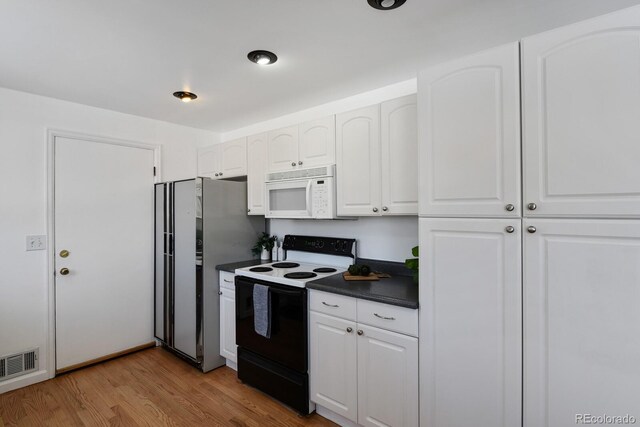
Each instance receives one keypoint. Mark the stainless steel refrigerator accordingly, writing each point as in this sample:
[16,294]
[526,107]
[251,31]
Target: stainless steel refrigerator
[199,223]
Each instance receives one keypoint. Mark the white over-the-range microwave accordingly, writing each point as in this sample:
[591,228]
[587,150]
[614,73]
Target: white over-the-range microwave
[302,193]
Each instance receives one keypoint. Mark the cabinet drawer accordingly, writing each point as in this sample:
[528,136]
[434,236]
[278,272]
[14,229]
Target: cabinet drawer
[333,304]
[390,317]
[227,280]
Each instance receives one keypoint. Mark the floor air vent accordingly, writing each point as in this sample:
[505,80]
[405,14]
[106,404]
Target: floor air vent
[18,364]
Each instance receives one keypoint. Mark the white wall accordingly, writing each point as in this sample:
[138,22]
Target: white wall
[387,238]
[24,119]
[340,106]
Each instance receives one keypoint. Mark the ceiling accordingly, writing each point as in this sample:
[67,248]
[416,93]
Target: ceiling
[131,55]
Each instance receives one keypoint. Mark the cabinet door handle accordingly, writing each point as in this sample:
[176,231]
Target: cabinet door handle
[509,229]
[532,206]
[228,281]
[330,305]
[300,162]
[220,173]
[384,208]
[531,229]
[219,292]
[360,332]
[509,207]
[349,329]
[383,317]
[293,163]
[375,209]
[217,174]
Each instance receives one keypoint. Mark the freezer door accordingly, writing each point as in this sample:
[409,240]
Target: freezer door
[185,310]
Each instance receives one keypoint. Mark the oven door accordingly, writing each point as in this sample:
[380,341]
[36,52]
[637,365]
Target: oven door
[288,199]
[287,345]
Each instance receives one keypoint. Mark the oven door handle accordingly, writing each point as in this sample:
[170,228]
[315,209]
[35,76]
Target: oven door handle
[308,195]
[283,291]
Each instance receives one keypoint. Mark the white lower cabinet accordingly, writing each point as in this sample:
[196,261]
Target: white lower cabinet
[333,364]
[387,378]
[365,374]
[228,348]
[582,323]
[471,323]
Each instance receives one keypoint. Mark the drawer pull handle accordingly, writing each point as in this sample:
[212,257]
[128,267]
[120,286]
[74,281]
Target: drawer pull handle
[382,317]
[228,281]
[331,305]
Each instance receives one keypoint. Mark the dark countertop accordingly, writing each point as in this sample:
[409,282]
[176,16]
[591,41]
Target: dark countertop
[398,290]
[231,267]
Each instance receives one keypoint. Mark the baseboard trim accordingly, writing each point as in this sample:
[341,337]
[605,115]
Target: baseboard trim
[105,358]
[233,365]
[24,381]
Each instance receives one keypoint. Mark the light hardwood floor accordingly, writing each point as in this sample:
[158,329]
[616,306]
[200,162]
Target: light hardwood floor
[148,388]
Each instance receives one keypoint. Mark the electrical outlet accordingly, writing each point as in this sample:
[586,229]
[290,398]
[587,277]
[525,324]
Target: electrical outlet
[36,243]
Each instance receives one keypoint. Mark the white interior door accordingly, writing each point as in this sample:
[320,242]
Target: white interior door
[104,218]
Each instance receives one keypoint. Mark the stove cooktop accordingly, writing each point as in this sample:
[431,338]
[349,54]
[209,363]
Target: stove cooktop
[289,273]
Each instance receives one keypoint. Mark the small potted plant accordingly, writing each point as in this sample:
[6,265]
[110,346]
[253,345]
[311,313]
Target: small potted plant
[413,264]
[263,246]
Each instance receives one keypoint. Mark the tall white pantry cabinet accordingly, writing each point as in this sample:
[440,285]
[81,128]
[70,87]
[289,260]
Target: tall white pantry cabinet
[532,298]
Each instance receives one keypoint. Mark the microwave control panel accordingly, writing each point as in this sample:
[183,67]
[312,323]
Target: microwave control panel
[320,196]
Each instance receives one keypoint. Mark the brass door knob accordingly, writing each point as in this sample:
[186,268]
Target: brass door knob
[64,253]
[64,271]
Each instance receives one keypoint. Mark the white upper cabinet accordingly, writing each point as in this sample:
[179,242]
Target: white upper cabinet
[581,117]
[234,158]
[471,323]
[399,144]
[256,173]
[209,161]
[282,147]
[317,145]
[582,323]
[469,115]
[358,172]
[226,160]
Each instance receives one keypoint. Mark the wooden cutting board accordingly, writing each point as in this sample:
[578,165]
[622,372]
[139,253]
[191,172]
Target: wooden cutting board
[371,277]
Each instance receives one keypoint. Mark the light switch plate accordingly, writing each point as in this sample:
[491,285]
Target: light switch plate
[36,243]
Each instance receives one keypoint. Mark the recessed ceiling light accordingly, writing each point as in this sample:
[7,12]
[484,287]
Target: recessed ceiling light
[185,96]
[262,57]
[385,4]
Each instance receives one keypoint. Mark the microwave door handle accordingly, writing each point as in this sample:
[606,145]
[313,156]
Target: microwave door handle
[309,207]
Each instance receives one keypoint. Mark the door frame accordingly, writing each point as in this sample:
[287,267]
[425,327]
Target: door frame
[51,135]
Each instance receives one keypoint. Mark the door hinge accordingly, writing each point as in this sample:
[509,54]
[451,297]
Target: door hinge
[154,171]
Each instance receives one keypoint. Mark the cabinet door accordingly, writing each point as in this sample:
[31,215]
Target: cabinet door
[333,376]
[256,173]
[470,322]
[469,127]
[228,325]
[234,158]
[582,323]
[358,162]
[387,380]
[209,161]
[318,142]
[581,112]
[399,144]
[282,149]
